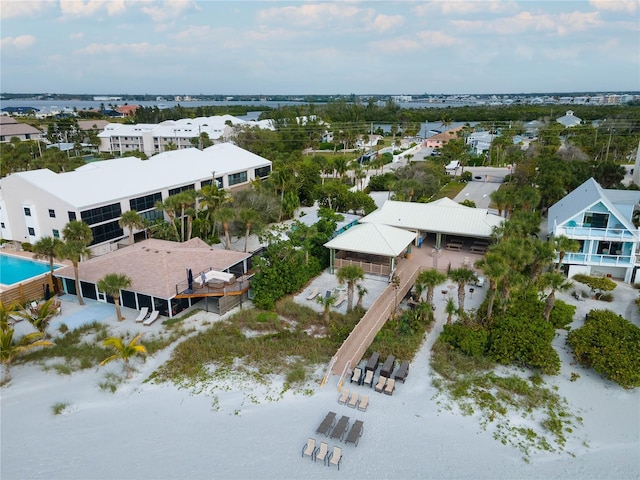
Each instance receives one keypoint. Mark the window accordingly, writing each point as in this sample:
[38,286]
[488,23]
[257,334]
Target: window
[72,216]
[152,215]
[145,203]
[174,191]
[101,214]
[596,220]
[236,178]
[32,232]
[263,172]
[27,211]
[108,231]
[56,233]
[205,183]
[52,213]
[1,224]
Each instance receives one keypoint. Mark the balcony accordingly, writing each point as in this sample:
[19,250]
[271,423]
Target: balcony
[599,259]
[584,232]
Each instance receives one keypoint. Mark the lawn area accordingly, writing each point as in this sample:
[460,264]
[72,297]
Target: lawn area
[450,190]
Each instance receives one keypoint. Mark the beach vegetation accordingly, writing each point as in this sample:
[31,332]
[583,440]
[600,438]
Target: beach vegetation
[110,383]
[12,347]
[59,407]
[123,351]
[40,318]
[598,285]
[609,344]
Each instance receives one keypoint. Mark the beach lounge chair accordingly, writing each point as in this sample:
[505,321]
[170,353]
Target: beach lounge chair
[343,397]
[356,376]
[144,311]
[368,378]
[322,452]
[387,367]
[340,300]
[402,372]
[313,294]
[309,448]
[372,363]
[336,457]
[364,403]
[340,428]
[152,318]
[381,383]
[327,424]
[353,401]
[390,386]
[355,433]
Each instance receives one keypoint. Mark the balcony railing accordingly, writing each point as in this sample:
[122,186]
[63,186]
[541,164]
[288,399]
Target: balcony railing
[585,232]
[600,259]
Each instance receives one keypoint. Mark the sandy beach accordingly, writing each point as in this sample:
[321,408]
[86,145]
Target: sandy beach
[242,430]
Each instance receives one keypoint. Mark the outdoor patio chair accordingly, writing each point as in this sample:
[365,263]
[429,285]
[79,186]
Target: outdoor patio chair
[322,452]
[152,318]
[372,363]
[364,403]
[387,367]
[336,457]
[340,428]
[353,401]
[356,376]
[355,433]
[380,385]
[341,298]
[402,372]
[144,311]
[390,386]
[309,448]
[327,424]
[368,378]
[313,294]
[343,397]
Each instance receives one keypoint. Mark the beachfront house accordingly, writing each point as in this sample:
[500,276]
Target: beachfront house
[601,221]
[569,119]
[10,129]
[39,203]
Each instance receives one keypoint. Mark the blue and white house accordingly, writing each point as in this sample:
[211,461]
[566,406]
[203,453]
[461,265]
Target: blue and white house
[601,221]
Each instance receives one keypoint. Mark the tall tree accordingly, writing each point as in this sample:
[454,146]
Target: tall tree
[77,237]
[563,244]
[130,220]
[462,276]
[112,284]
[249,217]
[496,269]
[124,351]
[429,279]
[45,249]
[350,274]
[450,309]
[556,281]
[224,215]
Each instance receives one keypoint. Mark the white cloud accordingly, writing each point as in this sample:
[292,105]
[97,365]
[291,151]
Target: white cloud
[167,10]
[615,5]
[311,15]
[528,22]
[82,8]
[462,7]
[395,45]
[142,48]
[383,23]
[15,8]
[23,41]
[76,36]
[437,39]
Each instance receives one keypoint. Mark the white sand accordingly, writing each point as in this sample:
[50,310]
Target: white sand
[159,431]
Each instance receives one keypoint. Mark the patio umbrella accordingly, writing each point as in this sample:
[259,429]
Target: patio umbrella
[190,279]
[47,292]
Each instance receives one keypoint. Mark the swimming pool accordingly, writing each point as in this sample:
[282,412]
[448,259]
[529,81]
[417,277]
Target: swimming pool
[17,269]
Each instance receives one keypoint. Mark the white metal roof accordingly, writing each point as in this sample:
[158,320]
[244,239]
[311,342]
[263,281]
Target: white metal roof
[373,239]
[441,217]
[110,180]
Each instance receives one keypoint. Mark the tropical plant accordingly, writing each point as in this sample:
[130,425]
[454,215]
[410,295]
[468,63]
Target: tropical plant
[112,284]
[224,215]
[326,301]
[462,276]
[77,236]
[362,291]
[249,217]
[40,318]
[563,244]
[350,274]
[429,279]
[450,309]
[130,220]
[555,281]
[10,348]
[496,268]
[45,249]
[124,351]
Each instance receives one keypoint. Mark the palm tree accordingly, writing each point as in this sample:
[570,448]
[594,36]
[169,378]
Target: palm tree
[496,269]
[556,281]
[5,314]
[361,293]
[42,317]
[210,199]
[10,349]
[225,215]
[563,244]
[77,236]
[130,220]
[249,217]
[450,309]
[462,276]
[350,274]
[45,249]
[429,279]
[184,200]
[111,284]
[326,302]
[395,282]
[169,207]
[499,197]
[124,351]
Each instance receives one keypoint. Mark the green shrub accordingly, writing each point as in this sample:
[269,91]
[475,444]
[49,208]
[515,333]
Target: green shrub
[610,345]
[466,177]
[470,341]
[58,408]
[606,297]
[562,314]
[26,246]
[597,284]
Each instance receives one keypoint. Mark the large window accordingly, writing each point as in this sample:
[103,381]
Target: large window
[105,232]
[152,215]
[72,216]
[596,220]
[236,178]
[145,203]
[174,191]
[101,214]
[32,231]
[263,171]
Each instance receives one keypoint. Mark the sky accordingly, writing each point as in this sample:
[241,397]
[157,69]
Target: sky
[190,47]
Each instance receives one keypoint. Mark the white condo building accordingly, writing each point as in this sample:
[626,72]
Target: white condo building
[39,203]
